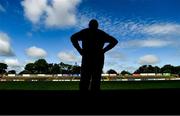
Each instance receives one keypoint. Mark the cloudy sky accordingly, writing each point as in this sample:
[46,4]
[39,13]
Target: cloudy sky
[148,31]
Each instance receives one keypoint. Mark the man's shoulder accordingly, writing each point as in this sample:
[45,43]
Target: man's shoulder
[81,32]
[102,32]
[84,30]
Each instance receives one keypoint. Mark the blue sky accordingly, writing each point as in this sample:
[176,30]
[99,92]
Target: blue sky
[148,31]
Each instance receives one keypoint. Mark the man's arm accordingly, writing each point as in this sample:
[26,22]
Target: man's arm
[112,42]
[74,39]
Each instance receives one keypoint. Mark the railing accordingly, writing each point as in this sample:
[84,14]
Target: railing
[78,79]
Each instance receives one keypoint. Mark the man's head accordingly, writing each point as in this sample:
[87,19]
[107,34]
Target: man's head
[93,24]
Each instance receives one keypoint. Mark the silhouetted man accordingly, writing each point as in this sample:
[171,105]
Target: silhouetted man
[92,51]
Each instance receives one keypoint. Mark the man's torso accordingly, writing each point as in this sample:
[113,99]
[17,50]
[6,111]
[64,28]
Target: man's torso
[93,42]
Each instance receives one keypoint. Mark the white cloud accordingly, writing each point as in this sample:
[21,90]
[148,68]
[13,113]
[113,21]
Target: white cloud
[60,13]
[68,57]
[34,9]
[131,69]
[166,28]
[5,47]
[118,66]
[29,61]
[128,29]
[148,59]
[2,9]
[118,27]
[146,43]
[116,55]
[36,52]
[12,62]
[155,43]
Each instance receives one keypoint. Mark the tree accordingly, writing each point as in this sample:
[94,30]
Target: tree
[69,69]
[66,68]
[111,71]
[50,67]
[24,72]
[148,69]
[177,70]
[11,72]
[55,69]
[167,69]
[76,70]
[3,68]
[41,66]
[125,72]
[141,69]
[157,69]
[30,67]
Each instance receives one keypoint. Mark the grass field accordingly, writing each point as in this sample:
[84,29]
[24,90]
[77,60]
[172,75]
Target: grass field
[73,85]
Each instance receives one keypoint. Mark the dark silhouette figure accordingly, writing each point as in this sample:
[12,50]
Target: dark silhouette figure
[92,51]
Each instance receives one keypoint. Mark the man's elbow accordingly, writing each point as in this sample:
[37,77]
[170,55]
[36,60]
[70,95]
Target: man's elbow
[115,42]
[72,39]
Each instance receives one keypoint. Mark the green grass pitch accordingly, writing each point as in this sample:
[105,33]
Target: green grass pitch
[73,85]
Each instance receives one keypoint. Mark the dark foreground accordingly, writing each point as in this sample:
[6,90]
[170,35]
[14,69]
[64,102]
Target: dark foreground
[149,101]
